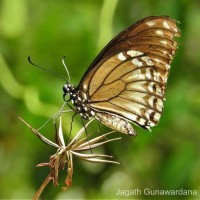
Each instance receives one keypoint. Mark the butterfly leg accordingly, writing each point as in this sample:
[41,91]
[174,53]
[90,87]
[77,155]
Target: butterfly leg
[71,126]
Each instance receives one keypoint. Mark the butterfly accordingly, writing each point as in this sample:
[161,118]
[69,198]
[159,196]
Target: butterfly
[126,82]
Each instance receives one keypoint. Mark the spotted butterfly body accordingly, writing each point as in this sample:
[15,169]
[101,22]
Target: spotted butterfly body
[126,82]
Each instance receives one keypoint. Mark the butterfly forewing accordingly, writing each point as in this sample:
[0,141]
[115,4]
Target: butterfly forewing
[129,76]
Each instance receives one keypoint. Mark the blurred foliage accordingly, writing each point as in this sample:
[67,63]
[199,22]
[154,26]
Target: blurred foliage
[166,158]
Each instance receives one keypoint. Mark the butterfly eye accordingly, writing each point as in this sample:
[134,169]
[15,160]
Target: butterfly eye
[66,89]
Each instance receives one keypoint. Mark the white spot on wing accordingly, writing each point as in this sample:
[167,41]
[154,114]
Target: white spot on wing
[147,115]
[140,75]
[159,32]
[175,29]
[166,25]
[159,105]
[141,121]
[133,117]
[151,124]
[148,74]
[147,60]
[167,66]
[157,75]
[163,42]
[150,86]
[133,53]
[121,57]
[157,116]
[136,62]
[150,101]
[150,23]
[159,90]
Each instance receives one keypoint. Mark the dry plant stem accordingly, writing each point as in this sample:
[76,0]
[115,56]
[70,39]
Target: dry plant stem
[42,187]
[45,140]
[68,180]
[64,154]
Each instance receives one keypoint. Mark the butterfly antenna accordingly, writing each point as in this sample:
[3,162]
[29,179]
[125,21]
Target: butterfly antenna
[29,59]
[52,117]
[63,62]
[55,116]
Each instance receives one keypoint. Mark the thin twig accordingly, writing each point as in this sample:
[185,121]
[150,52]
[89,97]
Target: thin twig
[44,184]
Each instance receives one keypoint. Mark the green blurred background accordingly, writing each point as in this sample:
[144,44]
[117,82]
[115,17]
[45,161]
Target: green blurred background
[166,158]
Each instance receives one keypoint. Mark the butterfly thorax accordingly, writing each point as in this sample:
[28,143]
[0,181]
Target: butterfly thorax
[80,103]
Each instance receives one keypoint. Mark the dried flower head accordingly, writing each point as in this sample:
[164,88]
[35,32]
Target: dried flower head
[64,154]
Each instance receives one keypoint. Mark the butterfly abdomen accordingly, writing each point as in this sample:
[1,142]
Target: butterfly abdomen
[116,123]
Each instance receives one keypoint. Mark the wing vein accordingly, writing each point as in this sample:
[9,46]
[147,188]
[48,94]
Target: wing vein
[141,104]
[145,92]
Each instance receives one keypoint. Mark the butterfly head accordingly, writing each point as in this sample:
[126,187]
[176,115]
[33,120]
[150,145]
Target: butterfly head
[78,99]
[68,89]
